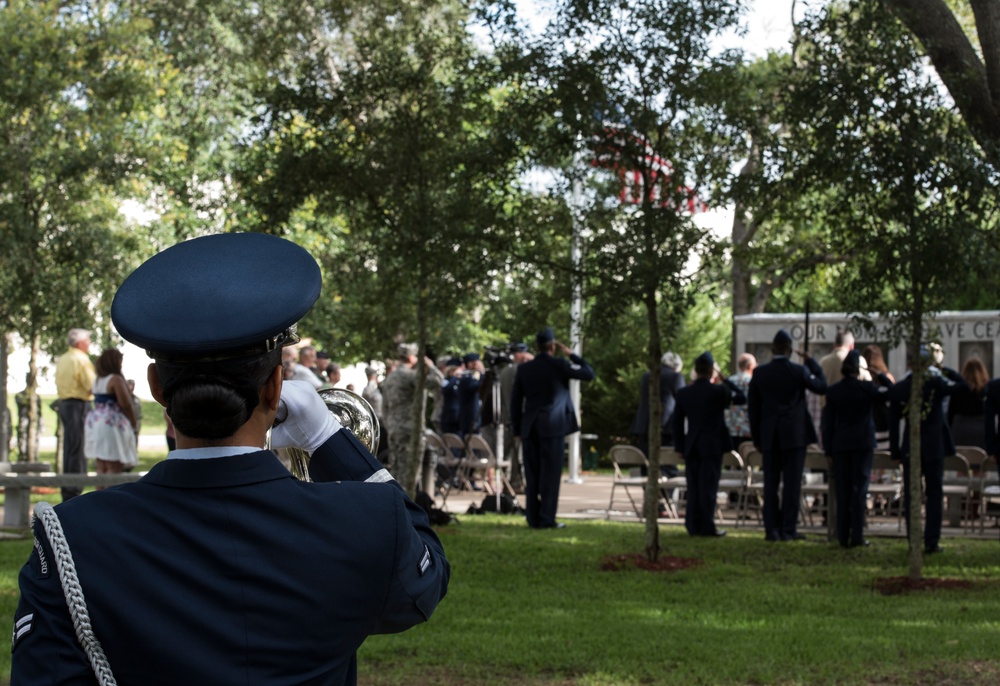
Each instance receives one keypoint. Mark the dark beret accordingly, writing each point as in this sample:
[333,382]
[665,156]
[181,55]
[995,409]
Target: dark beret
[322,355]
[545,335]
[519,347]
[470,357]
[453,362]
[705,360]
[217,297]
[782,338]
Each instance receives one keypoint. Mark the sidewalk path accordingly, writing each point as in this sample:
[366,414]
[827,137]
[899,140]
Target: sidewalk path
[589,499]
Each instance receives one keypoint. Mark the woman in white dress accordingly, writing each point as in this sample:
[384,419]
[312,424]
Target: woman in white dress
[109,430]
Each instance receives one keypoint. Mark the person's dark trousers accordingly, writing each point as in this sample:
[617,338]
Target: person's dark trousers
[781,516]
[543,463]
[933,473]
[71,415]
[703,475]
[851,473]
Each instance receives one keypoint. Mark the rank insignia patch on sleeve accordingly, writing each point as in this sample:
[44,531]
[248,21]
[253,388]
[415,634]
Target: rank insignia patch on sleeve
[22,627]
[425,561]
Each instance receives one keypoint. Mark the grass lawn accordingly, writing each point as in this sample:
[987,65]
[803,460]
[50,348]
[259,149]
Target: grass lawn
[536,607]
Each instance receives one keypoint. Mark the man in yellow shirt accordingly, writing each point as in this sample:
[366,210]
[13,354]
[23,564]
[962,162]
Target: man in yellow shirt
[74,383]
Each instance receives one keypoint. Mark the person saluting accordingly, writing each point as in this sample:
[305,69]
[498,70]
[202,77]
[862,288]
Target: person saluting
[219,567]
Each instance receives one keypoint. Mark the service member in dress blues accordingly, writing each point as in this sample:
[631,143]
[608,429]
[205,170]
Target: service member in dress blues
[782,429]
[542,414]
[991,411]
[469,404]
[701,437]
[219,567]
[849,438]
[451,405]
[935,439]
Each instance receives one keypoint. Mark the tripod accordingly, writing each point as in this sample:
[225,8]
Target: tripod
[498,442]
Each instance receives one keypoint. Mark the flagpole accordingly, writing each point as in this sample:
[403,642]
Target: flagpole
[576,313]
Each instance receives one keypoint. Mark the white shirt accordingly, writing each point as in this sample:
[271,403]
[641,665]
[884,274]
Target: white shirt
[303,373]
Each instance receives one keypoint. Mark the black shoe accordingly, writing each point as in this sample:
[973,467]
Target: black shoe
[720,533]
[772,538]
[933,549]
[861,544]
[558,525]
[794,537]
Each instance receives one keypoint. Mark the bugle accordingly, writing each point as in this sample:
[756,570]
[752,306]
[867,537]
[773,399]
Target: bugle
[353,412]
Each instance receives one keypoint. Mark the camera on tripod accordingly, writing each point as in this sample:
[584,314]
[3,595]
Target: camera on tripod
[498,356]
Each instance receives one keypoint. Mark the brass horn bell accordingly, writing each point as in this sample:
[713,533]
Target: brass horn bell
[353,412]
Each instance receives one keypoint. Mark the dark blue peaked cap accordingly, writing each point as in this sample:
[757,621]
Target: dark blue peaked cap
[705,360]
[217,297]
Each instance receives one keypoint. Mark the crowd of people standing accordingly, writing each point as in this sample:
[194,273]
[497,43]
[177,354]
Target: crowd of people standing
[846,402]
[521,395]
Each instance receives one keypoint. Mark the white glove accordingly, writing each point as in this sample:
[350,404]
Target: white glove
[303,420]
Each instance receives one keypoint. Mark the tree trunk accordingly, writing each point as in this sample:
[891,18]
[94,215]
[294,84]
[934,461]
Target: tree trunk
[914,411]
[741,277]
[652,499]
[6,422]
[974,86]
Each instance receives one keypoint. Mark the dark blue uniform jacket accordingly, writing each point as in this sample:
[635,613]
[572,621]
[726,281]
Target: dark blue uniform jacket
[935,436]
[450,405]
[991,411]
[777,406]
[230,571]
[469,404]
[848,421]
[540,397]
[703,405]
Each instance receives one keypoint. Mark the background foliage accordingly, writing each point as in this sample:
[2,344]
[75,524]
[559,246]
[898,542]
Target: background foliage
[424,152]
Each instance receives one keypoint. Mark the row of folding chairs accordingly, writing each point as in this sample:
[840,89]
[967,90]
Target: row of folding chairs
[461,462]
[742,478]
[629,462]
[970,477]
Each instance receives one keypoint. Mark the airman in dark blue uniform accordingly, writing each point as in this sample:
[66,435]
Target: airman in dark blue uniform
[782,429]
[542,414]
[701,437]
[991,411]
[451,405]
[849,438]
[469,403]
[935,440]
[218,567]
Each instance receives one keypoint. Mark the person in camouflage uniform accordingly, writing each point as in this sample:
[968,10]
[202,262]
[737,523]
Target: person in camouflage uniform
[398,393]
[21,401]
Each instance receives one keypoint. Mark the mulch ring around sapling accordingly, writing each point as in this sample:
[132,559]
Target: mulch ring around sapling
[897,585]
[664,563]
